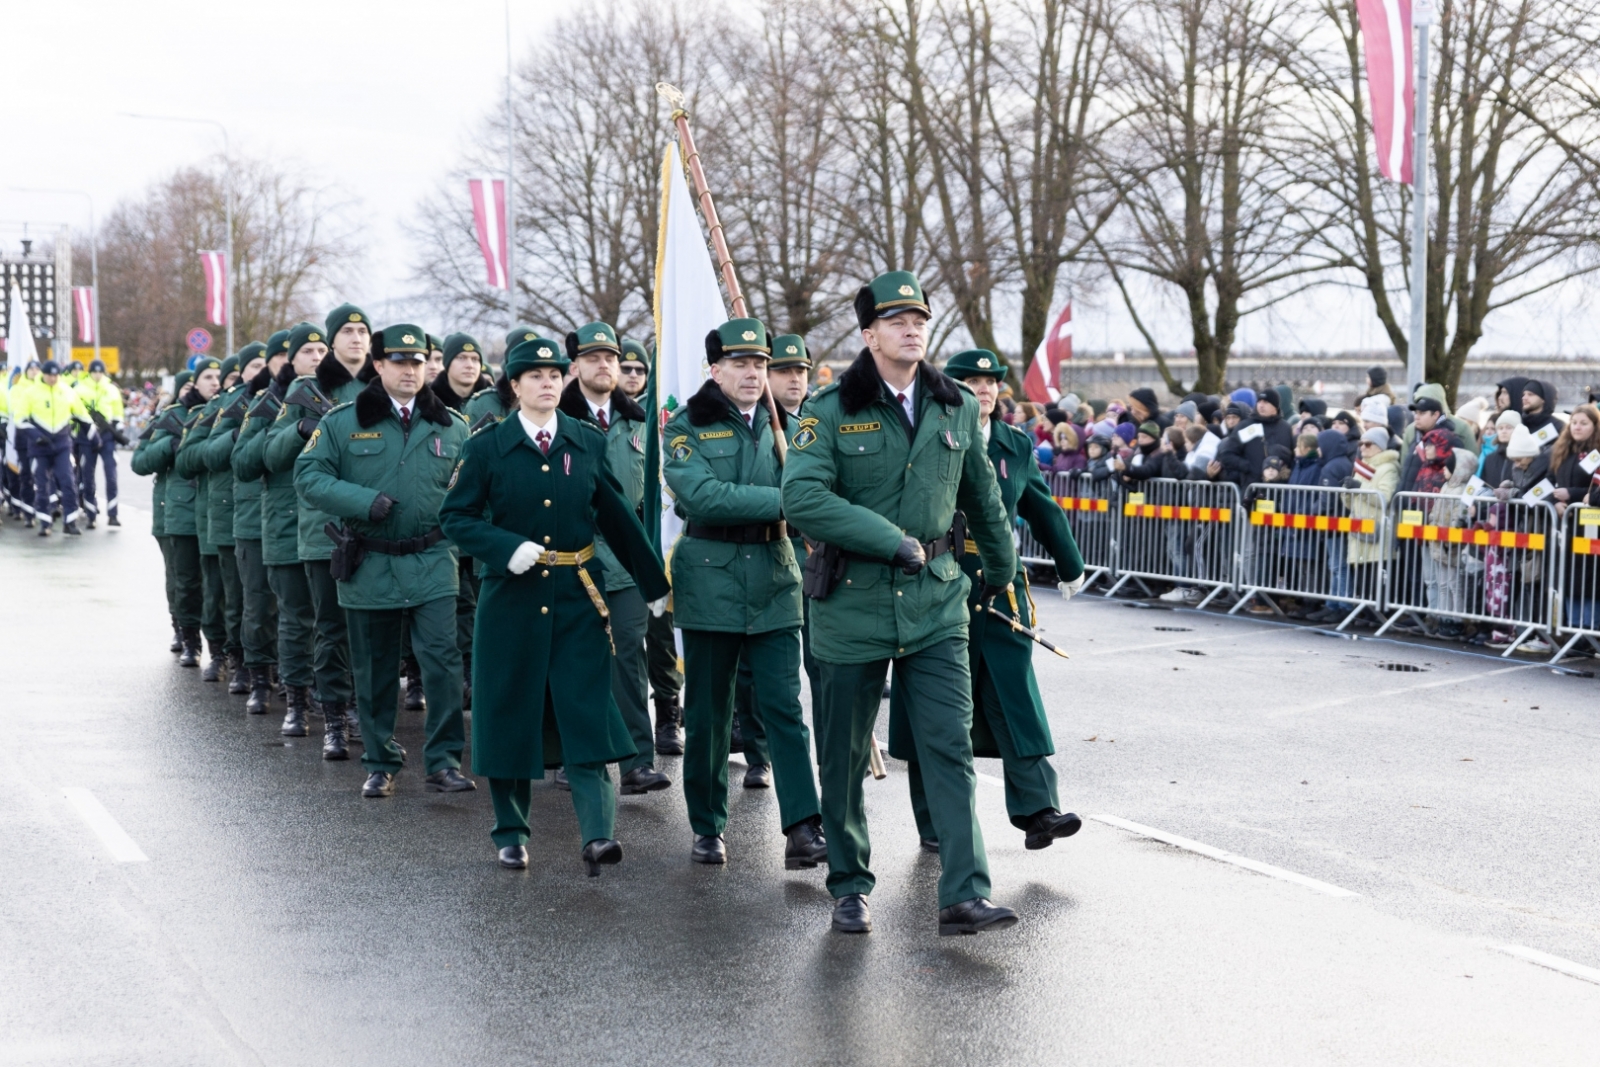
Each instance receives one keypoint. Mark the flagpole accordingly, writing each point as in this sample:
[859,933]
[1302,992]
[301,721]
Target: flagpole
[1417,346]
[511,190]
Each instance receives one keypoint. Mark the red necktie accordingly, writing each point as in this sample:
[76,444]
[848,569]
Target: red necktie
[405,420]
[543,441]
[600,417]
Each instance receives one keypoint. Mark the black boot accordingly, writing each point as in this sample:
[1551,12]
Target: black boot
[260,691]
[213,671]
[413,673]
[352,723]
[191,647]
[238,677]
[1045,826]
[294,723]
[669,742]
[71,528]
[806,846]
[335,745]
[177,637]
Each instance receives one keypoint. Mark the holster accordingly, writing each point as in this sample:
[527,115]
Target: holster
[348,551]
[824,570]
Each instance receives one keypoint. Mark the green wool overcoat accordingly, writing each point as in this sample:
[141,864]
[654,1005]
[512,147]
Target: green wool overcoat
[334,385]
[624,459]
[190,463]
[217,455]
[153,456]
[244,461]
[280,507]
[182,489]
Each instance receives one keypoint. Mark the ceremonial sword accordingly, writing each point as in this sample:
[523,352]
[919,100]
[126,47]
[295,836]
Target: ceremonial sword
[1016,625]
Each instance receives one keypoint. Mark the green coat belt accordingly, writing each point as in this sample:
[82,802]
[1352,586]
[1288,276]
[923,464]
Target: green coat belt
[540,654]
[723,473]
[856,478]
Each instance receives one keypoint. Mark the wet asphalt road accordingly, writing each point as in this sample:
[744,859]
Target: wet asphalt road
[281,919]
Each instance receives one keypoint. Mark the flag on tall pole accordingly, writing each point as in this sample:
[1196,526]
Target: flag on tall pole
[1042,382]
[83,300]
[216,267]
[1386,40]
[489,223]
[19,350]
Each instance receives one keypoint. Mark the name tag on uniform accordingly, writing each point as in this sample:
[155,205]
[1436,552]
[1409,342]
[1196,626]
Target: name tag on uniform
[860,427]
[714,434]
[366,437]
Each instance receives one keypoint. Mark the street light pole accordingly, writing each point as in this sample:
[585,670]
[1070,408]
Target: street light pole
[1417,346]
[511,189]
[227,199]
[94,257]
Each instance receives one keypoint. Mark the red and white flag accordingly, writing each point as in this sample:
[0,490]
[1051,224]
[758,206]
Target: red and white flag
[83,299]
[1042,382]
[216,265]
[489,220]
[1386,39]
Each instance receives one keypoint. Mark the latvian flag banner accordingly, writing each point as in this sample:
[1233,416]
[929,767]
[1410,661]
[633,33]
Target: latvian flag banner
[1386,39]
[489,222]
[83,300]
[216,265]
[1043,380]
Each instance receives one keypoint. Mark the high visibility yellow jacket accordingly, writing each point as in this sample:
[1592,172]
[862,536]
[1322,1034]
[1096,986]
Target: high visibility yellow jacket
[50,408]
[102,396]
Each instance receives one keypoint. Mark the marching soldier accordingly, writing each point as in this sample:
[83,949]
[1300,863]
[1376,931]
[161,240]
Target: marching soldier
[153,456]
[182,504]
[1008,721]
[219,619]
[379,465]
[216,453]
[493,403]
[47,410]
[877,469]
[736,592]
[258,626]
[103,400]
[527,501]
[594,396]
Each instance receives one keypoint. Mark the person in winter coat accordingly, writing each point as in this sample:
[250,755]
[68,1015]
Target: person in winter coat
[1242,454]
[1068,458]
[1099,459]
[1567,456]
[1429,418]
[1538,405]
[1508,394]
[1143,407]
[1493,465]
[1153,458]
[1378,384]
[1269,415]
[1379,473]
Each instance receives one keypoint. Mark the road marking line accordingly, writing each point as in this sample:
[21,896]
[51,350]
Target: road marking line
[991,779]
[1555,963]
[1223,855]
[123,848]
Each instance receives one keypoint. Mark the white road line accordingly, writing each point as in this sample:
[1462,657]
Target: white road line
[991,779]
[1223,855]
[1555,963]
[123,848]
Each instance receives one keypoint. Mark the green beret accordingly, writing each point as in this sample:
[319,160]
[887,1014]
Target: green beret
[789,350]
[519,334]
[229,365]
[634,352]
[402,341]
[184,378]
[975,362]
[253,350]
[592,337]
[889,295]
[345,313]
[539,352]
[737,337]
[305,333]
[278,344]
[203,365]
[458,343]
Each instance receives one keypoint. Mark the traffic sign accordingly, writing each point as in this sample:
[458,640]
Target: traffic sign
[199,339]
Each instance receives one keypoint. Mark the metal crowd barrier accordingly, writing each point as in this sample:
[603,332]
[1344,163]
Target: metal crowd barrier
[1576,570]
[1179,531]
[1090,509]
[1314,544]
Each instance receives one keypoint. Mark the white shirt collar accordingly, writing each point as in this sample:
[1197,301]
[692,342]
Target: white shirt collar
[403,409]
[910,405]
[532,428]
[749,416]
[596,409]
[988,428]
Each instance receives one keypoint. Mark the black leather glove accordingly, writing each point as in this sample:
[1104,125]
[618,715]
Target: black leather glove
[909,556]
[307,427]
[380,508]
[1351,483]
[987,594]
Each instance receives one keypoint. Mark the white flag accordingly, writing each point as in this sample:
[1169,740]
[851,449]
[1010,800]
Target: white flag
[19,350]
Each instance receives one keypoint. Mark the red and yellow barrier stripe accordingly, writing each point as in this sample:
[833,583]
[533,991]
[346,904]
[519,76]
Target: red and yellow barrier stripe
[1176,511]
[1456,535]
[1083,503]
[1324,523]
[1586,546]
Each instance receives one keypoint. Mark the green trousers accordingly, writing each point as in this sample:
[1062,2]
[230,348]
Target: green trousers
[187,594]
[661,651]
[375,654]
[938,691]
[258,620]
[330,648]
[592,798]
[295,623]
[752,734]
[165,544]
[629,621]
[711,667]
[232,597]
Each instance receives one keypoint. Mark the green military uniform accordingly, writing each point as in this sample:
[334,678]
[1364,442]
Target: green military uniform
[863,475]
[153,456]
[190,463]
[360,455]
[542,670]
[494,402]
[182,502]
[1013,726]
[736,592]
[258,626]
[216,453]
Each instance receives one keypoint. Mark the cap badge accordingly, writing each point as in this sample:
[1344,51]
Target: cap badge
[408,339]
[906,290]
[355,316]
[749,335]
[545,353]
[527,337]
[984,362]
[791,350]
[468,348]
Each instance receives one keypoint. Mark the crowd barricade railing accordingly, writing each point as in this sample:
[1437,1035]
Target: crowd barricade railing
[1576,567]
[1091,509]
[1478,559]
[1314,543]
[1182,532]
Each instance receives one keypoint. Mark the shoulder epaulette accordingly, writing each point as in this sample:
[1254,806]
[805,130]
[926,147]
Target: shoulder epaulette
[457,412]
[340,407]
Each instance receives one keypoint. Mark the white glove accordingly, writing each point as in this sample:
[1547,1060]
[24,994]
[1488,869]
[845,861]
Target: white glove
[658,608]
[1070,589]
[526,555]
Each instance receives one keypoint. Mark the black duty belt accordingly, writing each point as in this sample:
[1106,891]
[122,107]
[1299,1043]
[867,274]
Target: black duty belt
[931,550]
[409,547]
[758,533]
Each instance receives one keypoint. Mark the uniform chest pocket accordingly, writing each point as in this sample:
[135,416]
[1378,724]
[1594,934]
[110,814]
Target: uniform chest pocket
[861,459]
[366,448]
[953,453]
[723,455]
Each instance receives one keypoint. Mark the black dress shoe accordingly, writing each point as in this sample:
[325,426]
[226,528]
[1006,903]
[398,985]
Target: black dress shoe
[805,847]
[643,780]
[379,784]
[514,857]
[669,740]
[71,528]
[970,916]
[600,850]
[294,719]
[448,780]
[928,844]
[850,915]
[709,849]
[1045,826]
[561,779]
[759,776]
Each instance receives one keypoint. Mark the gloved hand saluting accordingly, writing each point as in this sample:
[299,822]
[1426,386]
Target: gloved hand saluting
[1070,589]
[526,555]
[909,557]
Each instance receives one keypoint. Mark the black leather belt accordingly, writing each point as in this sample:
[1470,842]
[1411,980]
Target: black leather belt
[931,550]
[409,547]
[758,533]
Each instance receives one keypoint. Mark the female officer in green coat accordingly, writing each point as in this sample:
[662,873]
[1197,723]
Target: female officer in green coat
[1013,726]
[526,501]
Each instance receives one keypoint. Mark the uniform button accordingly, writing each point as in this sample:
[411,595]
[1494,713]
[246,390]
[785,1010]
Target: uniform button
[975,607]
[861,448]
[545,468]
[848,582]
[544,611]
[544,574]
[899,592]
[547,503]
[902,650]
[547,539]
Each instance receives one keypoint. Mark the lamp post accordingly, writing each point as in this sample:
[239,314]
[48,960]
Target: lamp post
[94,258]
[511,188]
[1417,346]
[227,197]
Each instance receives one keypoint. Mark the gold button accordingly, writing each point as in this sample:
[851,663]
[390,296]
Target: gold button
[902,650]
[544,611]
[908,466]
[547,503]
[547,539]
[545,468]
[544,574]
[898,592]
[848,582]
[975,607]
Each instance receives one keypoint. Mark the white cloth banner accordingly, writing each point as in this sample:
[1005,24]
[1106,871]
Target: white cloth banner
[216,266]
[489,223]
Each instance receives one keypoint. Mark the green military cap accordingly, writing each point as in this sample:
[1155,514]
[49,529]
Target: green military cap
[975,363]
[789,350]
[458,343]
[229,365]
[305,333]
[634,352]
[519,334]
[343,314]
[592,337]
[184,378]
[253,350]
[205,364]
[889,295]
[737,337]
[278,343]
[402,341]
[434,344]
[539,352]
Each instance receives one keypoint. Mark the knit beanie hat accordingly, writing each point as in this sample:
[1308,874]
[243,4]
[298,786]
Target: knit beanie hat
[1523,445]
[1508,417]
[1375,409]
[1378,436]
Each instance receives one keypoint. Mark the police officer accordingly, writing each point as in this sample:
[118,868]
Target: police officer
[153,456]
[102,398]
[493,403]
[594,396]
[258,625]
[1008,721]
[379,465]
[219,620]
[47,410]
[527,501]
[878,466]
[736,592]
[182,504]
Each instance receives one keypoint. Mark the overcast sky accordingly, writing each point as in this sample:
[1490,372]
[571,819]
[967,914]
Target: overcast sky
[376,99]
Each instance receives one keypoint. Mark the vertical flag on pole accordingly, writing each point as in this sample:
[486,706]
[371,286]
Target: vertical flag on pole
[1386,40]
[83,300]
[216,265]
[1042,383]
[489,221]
